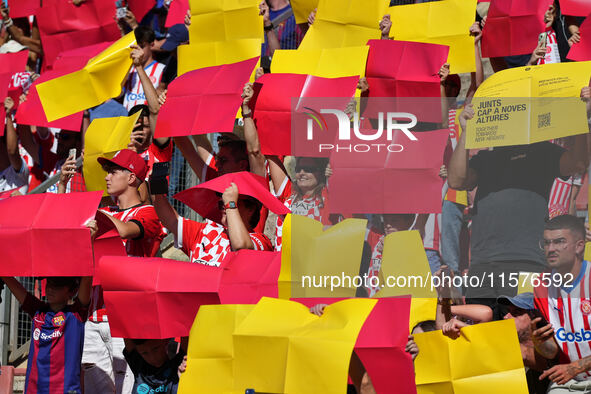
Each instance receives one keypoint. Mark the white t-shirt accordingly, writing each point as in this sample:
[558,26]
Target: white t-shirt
[10,179]
[134,91]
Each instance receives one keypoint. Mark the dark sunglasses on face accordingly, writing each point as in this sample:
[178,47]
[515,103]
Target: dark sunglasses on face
[310,170]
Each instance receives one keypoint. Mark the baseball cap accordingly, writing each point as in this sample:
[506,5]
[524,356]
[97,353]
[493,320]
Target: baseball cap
[129,160]
[177,34]
[523,301]
[108,109]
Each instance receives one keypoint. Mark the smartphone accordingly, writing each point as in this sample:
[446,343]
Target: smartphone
[158,182]
[72,153]
[542,38]
[5,3]
[121,6]
[535,313]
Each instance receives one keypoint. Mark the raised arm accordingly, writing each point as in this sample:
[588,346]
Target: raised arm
[237,231]
[576,160]
[255,158]
[11,137]
[16,33]
[166,213]
[476,78]
[197,157]
[460,175]
[272,39]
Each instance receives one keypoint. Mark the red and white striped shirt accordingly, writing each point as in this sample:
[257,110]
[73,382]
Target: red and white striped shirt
[552,54]
[568,309]
[559,201]
[146,245]
[134,91]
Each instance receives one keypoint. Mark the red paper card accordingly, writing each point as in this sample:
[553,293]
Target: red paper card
[106,243]
[381,344]
[31,111]
[513,26]
[23,8]
[15,64]
[273,104]
[176,13]
[64,26]
[575,7]
[204,200]
[170,292]
[45,234]
[404,69]
[204,101]
[140,7]
[405,180]
[581,51]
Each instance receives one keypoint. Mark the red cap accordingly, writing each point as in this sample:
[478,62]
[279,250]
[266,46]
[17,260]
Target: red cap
[129,160]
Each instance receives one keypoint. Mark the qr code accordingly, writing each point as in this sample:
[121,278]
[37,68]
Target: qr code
[544,120]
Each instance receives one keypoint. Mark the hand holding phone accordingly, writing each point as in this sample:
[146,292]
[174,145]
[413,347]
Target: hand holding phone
[121,6]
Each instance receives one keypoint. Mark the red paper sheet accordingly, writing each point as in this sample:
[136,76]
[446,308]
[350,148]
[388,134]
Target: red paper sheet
[176,13]
[140,7]
[382,182]
[204,200]
[581,51]
[64,26]
[273,103]
[45,234]
[405,69]
[575,7]
[106,243]
[381,343]
[4,80]
[204,101]
[170,292]
[23,8]
[513,27]
[31,111]
[15,64]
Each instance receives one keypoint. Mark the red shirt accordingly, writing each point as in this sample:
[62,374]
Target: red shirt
[208,243]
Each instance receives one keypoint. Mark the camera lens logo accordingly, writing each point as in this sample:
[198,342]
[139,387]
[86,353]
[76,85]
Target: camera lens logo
[317,117]
[36,334]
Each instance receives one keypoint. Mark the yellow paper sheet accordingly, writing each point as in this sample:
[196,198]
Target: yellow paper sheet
[221,32]
[284,281]
[325,63]
[324,263]
[302,9]
[485,359]
[195,56]
[98,81]
[277,346]
[345,23]
[430,23]
[529,104]
[104,138]
[405,268]
[421,309]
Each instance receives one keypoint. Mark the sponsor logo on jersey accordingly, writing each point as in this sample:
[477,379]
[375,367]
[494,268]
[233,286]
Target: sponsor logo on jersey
[579,336]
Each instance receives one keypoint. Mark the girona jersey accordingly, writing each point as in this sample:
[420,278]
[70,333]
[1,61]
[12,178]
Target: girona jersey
[134,91]
[568,309]
[559,201]
[146,245]
[313,207]
[55,353]
[552,54]
[208,243]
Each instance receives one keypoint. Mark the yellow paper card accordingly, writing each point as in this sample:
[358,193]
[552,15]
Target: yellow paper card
[529,104]
[210,355]
[302,9]
[195,56]
[100,80]
[224,20]
[281,346]
[486,358]
[325,263]
[104,138]
[430,23]
[344,23]
[405,268]
[421,309]
[284,281]
[325,63]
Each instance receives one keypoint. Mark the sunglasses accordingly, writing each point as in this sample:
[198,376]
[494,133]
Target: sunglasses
[310,170]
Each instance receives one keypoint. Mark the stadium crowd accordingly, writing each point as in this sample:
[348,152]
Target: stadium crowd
[505,210]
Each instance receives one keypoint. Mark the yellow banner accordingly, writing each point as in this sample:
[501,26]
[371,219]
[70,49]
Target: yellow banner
[324,263]
[221,32]
[529,104]
[345,23]
[104,138]
[325,63]
[277,346]
[100,80]
[485,359]
[302,9]
[430,23]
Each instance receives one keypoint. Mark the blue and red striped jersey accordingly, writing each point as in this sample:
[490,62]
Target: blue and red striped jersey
[57,339]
